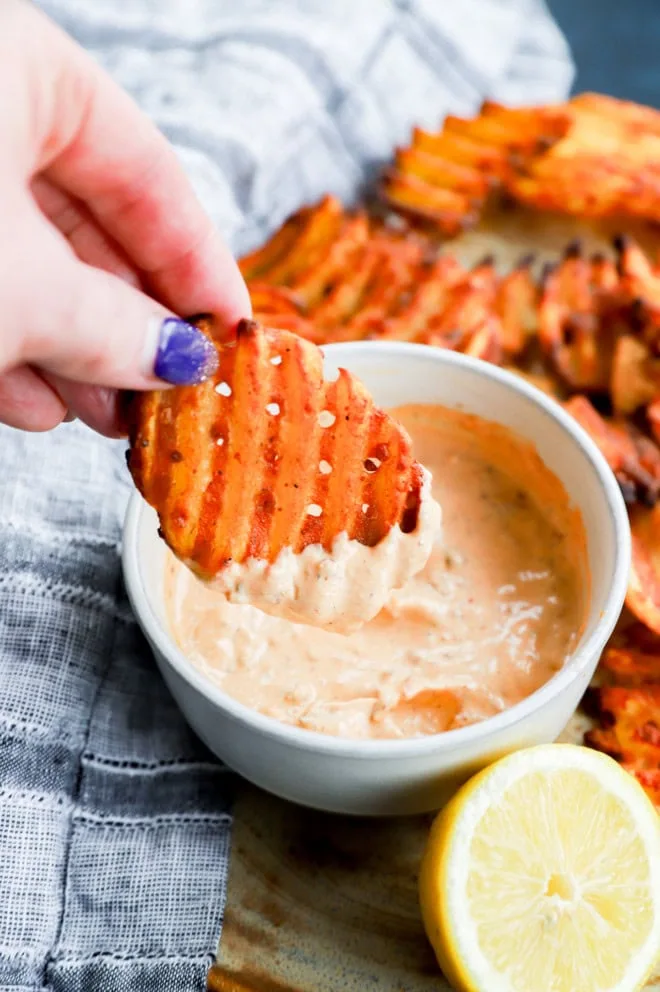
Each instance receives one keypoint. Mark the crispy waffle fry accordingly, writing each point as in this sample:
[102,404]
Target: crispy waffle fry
[299,242]
[643,599]
[516,305]
[593,156]
[631,667]
[606,164]
[450,210]
[429,292]
[521,131]
[653,418]
[435,172]
[634,459]
[635,379]
[445,178]
[575,319]
[632,724]
[266,456]
[376,282]
[649,779]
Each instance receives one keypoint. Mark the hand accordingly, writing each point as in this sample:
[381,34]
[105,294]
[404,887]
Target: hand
[102,240]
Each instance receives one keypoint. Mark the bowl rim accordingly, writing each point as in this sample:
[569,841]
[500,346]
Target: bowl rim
[375,749]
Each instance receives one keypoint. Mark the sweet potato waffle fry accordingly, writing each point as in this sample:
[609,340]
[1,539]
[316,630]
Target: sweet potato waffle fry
[266,455]
[626,705]
[634,458]
[630,730]
[578,319]
[445,178]
[371,281]
[593,156]
[607,163]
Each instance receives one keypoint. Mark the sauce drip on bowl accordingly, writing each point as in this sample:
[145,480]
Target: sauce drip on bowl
[494,614]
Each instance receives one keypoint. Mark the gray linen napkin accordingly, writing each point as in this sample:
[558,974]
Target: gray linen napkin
[114,820]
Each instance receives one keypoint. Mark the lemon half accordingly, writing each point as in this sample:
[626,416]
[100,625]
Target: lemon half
[543,875]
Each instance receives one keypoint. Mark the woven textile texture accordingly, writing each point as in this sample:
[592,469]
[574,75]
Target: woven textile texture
[114,820]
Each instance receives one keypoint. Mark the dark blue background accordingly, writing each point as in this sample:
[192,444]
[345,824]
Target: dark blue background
[615,44]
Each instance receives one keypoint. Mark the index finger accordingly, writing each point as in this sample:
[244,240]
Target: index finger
[105,151]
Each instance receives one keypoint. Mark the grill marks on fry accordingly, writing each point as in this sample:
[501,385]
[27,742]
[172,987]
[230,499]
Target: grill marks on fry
[211,485]
[345,452]
[249,430]
[302,378]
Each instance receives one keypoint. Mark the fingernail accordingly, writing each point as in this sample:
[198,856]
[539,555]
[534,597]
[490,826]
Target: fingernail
[185,356]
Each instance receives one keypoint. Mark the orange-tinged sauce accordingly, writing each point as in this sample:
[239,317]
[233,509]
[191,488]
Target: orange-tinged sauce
[493,615]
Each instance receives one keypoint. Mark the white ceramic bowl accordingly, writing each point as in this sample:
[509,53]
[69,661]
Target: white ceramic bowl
[394,776]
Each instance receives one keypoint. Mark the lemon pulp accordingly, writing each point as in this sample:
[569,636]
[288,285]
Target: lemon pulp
[543,873]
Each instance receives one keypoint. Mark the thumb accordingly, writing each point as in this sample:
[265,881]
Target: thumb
[104,332]
[89,326]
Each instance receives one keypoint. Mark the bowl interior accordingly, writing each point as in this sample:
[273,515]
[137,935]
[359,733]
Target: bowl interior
[397,374]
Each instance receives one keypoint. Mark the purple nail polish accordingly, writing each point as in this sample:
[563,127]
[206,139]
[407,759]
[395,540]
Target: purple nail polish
[185,356]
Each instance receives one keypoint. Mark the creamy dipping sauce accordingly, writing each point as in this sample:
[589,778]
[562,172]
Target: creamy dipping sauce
[494,614]
[340,589]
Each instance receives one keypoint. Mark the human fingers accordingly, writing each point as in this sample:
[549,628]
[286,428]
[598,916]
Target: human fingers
[92,141]
[96,406]
[28,402]
[86,325]
[88,240]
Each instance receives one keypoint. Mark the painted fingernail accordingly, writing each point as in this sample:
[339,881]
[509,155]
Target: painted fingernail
[185,356]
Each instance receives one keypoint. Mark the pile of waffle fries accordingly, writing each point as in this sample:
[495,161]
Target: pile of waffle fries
[586,329]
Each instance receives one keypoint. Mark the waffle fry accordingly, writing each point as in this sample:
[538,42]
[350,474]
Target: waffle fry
[450,210]
[375,282]
[635,375]
[632,730]
[299,243]
[593,156]
[576,325]
[627,708]
[643,599]
[446,178]
[605,165]
[649,779]
[266,456]
[630,667]
[516,305]
[633,458]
